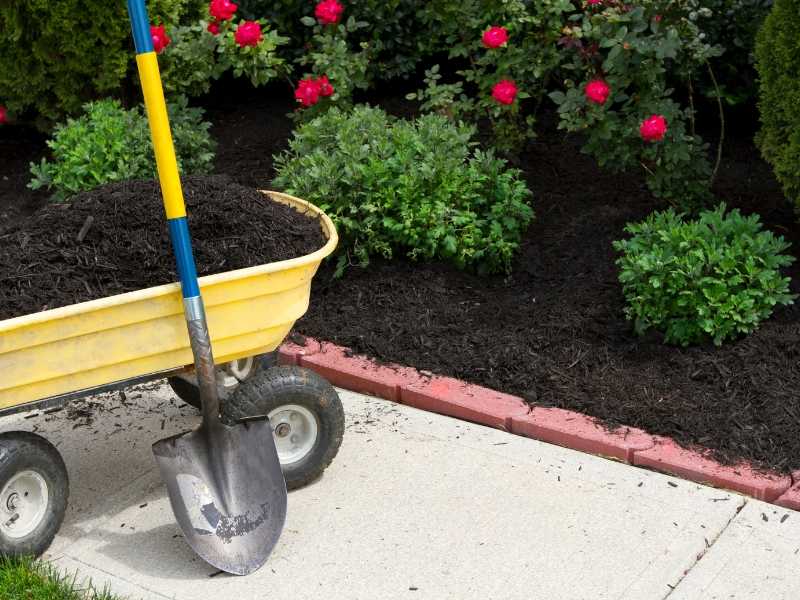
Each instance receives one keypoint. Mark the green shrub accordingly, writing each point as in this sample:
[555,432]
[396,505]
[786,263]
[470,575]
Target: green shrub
[55,55]
[195,57]
[108,143]
[414,187]
[711,278]
[778,64]
[396,31]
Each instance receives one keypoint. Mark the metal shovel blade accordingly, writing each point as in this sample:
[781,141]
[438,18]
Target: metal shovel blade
[227,492]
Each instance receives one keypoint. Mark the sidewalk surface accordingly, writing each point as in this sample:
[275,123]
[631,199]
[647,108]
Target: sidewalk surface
[417,505]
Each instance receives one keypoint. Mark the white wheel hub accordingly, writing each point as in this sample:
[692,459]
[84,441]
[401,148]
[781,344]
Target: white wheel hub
[23,504]
[295,429]
[235,372]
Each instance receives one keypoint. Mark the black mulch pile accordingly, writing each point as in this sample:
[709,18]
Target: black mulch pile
[45,263]
[554,332]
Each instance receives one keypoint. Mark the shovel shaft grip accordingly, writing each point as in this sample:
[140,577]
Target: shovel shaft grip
[203,361]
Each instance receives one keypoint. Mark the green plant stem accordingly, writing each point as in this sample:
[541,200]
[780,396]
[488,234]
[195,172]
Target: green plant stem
[691,104]
[721,122]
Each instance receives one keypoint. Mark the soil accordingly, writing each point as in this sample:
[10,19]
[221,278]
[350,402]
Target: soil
[45,262]
[554,331]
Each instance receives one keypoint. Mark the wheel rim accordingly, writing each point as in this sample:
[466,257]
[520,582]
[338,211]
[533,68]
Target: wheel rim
[295,429]
[23,504]
[236,371]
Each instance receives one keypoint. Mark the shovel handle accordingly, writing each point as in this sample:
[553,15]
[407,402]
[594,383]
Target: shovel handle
[175,208]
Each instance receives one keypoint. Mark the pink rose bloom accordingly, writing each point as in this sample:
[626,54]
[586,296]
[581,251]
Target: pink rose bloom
[505,92]
[160,39]
[3,115]
[213,27]
[308,92]
[653,128]
[328,12]
[325,87]
[594,2]
[494,37]
[222,10]
[248,34]
[597,91]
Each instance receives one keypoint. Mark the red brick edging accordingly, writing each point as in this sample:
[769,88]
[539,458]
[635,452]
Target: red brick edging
[455,398]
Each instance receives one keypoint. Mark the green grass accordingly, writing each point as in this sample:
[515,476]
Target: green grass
[28,579]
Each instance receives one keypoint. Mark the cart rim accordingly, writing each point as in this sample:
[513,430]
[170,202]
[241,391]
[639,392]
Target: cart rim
[23,504]
[295,429]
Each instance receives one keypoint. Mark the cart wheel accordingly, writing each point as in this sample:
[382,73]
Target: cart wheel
[305,413]
[231,375]
[33,493]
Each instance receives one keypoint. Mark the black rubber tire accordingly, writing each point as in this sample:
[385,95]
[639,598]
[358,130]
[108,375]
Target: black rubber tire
[280,386]
[23,451]
[190,393]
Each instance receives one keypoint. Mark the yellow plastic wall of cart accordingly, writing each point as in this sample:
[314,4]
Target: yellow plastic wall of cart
[108,340]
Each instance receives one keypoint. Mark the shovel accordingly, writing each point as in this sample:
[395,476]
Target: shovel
[225,483]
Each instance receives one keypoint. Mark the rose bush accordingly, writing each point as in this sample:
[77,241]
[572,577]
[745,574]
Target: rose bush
[334,69]
[637,56]
[202,52]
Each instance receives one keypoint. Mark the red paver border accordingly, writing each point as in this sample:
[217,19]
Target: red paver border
[452,397]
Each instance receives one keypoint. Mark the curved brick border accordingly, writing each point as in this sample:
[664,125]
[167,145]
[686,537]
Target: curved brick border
[455,398]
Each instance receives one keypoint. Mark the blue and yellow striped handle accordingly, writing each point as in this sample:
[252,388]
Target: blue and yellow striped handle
[164,149]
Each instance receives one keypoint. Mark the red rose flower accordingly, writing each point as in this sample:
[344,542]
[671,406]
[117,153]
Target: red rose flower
[597,91]
[494,37]
[653,128]
[248,34]
[213,27]
[3,115]
[657,18]
[222,10]
[160,38]
[593,2]
[505,92]
[308,92]
[325,87]
[328,12]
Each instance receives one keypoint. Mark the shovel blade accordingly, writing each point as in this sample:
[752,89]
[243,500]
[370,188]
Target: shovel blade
[227,491]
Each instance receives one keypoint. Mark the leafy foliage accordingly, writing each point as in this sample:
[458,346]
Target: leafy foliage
[733,25]
[419,188]
[108,143]
[196,57]
[528,59]
[636,50]
[330,53]
[397,36]
[715,277]
[55,55]
[778,64]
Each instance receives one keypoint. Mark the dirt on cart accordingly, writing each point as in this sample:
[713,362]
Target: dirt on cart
[114,239]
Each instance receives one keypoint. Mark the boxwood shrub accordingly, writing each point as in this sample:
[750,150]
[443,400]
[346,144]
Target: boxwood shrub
[712,278]
[108,143]
[418,188]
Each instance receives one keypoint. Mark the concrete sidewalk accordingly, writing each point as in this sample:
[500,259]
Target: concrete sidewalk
[418,505]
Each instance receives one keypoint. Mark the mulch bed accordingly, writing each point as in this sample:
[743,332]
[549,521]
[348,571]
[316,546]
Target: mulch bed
[554,331]
[114,239]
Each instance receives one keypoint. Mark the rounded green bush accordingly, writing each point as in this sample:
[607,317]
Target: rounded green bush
[715,277]
[420,188]
[108,143]
[56,55]
[778,65]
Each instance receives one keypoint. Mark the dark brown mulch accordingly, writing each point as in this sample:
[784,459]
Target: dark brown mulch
[554,331]
[44,264]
